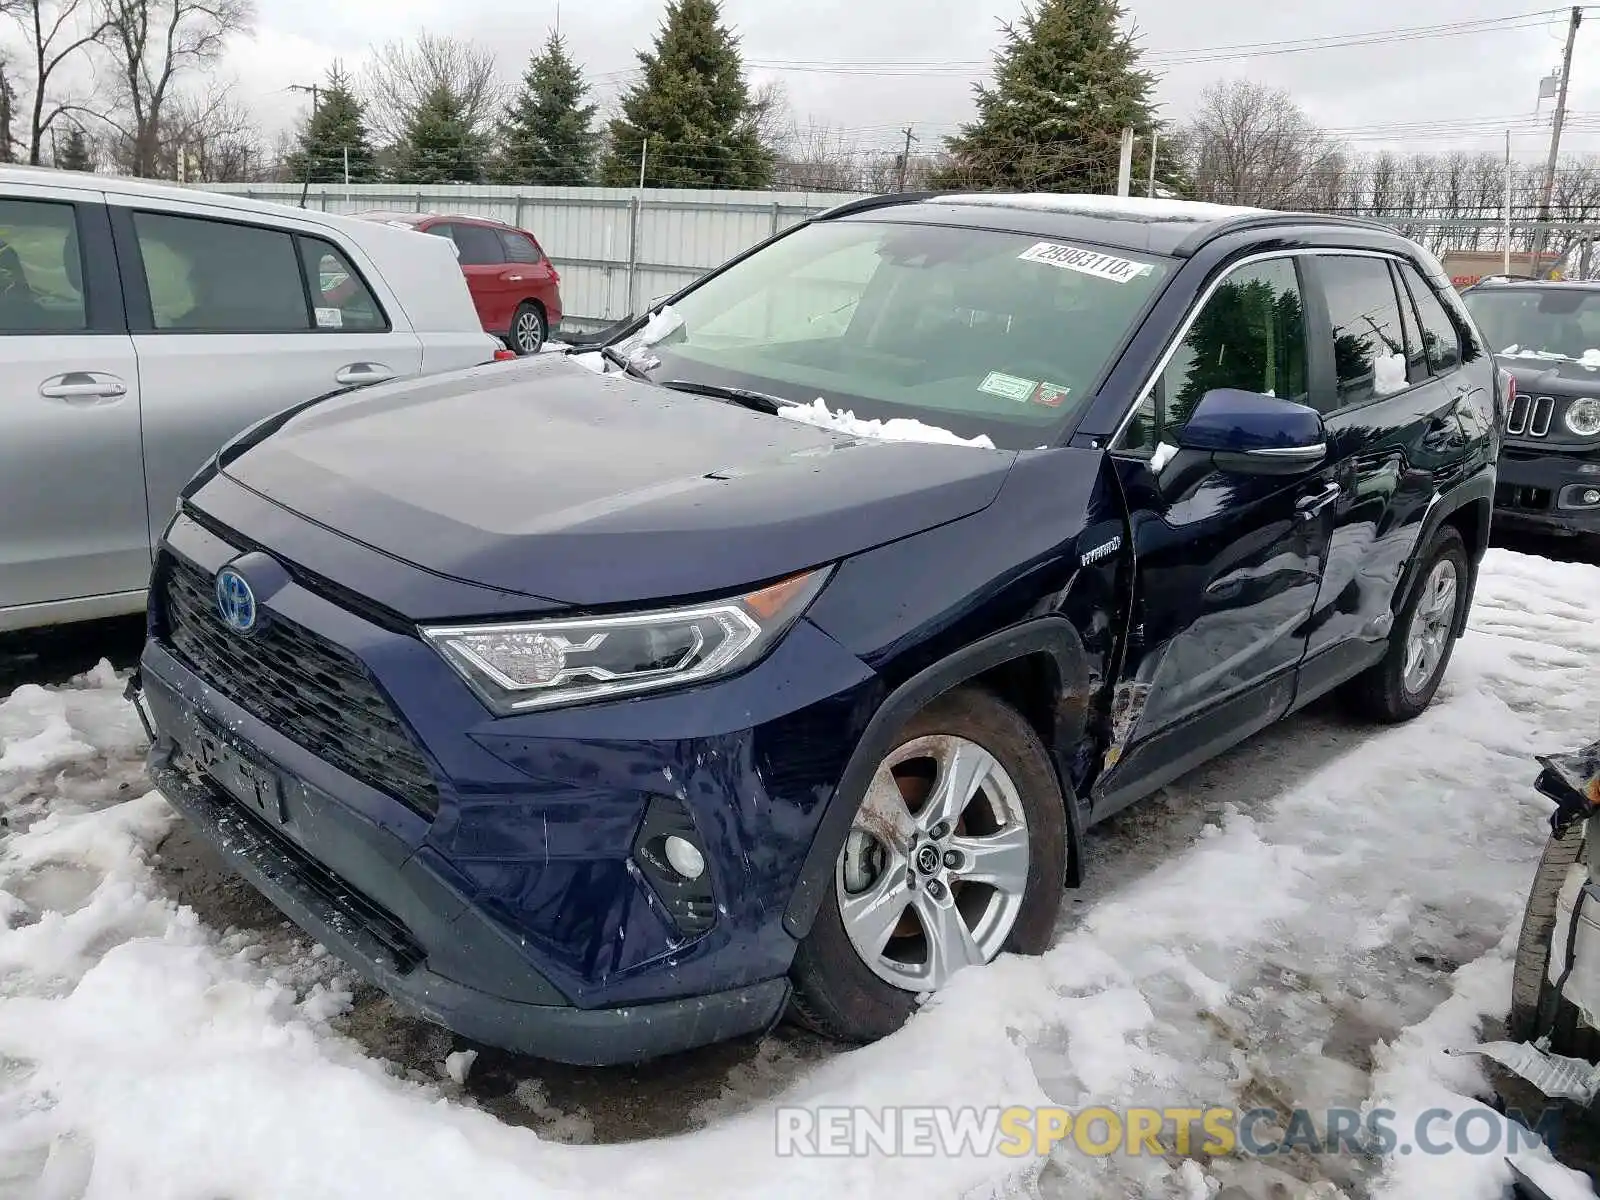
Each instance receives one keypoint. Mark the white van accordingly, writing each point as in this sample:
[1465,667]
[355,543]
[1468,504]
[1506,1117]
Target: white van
[141,326]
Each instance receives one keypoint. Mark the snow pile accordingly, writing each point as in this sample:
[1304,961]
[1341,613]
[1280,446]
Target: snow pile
[1311,921]
[896,429]
[1389,374]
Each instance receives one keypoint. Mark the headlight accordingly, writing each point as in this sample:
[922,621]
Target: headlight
[543,664]
[1583,417]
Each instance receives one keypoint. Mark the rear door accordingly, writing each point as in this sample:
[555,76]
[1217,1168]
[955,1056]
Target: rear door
[72,496]
[234,319]
[483,261]
[1393,440]
[1228,563]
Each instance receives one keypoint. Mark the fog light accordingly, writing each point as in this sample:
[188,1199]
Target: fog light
[1591,496]
[691,864]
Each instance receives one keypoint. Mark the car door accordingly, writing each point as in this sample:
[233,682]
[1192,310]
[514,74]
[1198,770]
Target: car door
[1393,440]
[1227,562]
[72,529]
[483,261]
[234,318]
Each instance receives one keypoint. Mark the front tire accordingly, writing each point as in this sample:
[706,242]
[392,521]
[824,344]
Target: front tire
[1403,684]
[957,853]
[527,329]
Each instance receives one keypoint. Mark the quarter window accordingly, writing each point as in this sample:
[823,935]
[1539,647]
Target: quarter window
[1250,335]
[1439,336]
[1369,349]
[215,277]
[41,268]
[340,300]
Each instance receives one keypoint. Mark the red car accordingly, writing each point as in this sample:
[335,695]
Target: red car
[514,285]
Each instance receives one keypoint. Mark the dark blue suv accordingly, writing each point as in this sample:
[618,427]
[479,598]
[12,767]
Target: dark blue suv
[774,658]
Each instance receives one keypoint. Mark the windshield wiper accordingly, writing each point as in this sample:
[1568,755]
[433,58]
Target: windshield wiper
[743,397]
[612,355]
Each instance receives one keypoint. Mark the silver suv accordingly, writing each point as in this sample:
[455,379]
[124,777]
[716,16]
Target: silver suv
[142,326]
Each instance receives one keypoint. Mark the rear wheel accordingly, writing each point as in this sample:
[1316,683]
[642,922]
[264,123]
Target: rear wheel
[957,853]
[527,329]
[1403,684]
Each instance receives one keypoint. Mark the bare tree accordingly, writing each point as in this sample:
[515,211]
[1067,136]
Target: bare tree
[212,138]
[774,117]
[402,75]
[1251,144]
[54,33]
[152,44]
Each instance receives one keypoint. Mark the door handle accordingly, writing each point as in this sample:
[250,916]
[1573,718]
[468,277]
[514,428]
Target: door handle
[513,278]
[356,373]
[77,387]
[1309,508]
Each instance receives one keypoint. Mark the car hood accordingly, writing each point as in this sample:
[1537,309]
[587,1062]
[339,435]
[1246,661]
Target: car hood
[1552,377]
[548,480]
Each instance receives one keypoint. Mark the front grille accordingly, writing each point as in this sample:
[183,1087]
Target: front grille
[1513,495]
[317,695]
[1530,416]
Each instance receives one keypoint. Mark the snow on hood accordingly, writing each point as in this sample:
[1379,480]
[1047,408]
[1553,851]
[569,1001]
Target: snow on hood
[1589,358]
[896,429]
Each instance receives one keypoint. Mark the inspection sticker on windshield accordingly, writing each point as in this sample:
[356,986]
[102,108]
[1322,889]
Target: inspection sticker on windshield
[1085,262]
[1011,387]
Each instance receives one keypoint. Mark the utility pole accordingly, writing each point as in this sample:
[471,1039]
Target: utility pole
[316,91]
[346,150]
[1155,141]
[1542,234]
[1125,163]
[905,158]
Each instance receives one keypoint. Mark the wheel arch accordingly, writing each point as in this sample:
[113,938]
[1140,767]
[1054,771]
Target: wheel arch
[1468,509]
[1038,666]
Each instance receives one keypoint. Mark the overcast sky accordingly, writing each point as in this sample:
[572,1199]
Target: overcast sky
[1435,93]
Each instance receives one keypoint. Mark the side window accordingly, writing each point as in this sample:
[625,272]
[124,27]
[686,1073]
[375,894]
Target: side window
[1369,349]
[1251,334]
[215,277]
[478,245]
[340,299]
[1416,354]
[1439,334]
[519,247]
[41,268]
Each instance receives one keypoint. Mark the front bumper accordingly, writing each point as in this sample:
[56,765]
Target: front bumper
[1543,491]
[518,912]
[383,952]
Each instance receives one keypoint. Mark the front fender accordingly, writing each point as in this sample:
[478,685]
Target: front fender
[1051,635]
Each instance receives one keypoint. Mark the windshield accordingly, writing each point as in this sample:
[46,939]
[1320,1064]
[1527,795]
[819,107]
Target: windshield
[1555,323]
[973,331]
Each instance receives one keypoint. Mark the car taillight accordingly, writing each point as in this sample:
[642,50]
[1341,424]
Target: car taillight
[504,355]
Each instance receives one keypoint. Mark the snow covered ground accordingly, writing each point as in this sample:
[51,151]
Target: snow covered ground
[1309,921]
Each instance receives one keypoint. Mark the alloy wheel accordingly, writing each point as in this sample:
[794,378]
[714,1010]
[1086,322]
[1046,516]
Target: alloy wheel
[529,332]
[934,872]
[1431,623]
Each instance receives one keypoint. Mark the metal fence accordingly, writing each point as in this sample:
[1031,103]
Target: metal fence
[616,249]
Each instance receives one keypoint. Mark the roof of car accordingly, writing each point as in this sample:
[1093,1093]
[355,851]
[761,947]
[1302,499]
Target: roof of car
[1511,282]
[1176,227]
[417,218]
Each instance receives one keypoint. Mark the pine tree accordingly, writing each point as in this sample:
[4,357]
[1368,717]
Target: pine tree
[337,127]
[1066,83]
[549,131]
[694,107]
[439,144]
[73,154]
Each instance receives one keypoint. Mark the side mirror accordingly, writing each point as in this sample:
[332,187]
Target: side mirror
[1254,433]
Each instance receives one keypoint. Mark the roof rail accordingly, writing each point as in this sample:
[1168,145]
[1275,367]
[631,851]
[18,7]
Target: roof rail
[1267,220]
[868,203]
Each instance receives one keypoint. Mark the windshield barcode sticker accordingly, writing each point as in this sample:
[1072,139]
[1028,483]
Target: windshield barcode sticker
[1085,262]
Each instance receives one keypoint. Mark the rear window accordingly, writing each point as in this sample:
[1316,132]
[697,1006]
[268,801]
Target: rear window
[1539,323]
[978,331]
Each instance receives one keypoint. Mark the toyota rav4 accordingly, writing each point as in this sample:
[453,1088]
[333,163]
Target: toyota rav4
[775,657]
